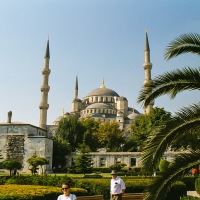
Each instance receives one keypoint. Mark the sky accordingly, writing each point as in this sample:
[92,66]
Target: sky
[91,39]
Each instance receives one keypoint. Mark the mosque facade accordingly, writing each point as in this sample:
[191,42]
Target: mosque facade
[20,141]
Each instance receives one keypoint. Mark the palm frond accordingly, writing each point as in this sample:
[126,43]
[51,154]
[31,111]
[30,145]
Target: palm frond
[185,43]
[180,166]
[164,134]
[170,83]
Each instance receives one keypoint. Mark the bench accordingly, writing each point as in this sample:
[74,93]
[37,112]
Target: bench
[95,197]
[126,196]
[134,196]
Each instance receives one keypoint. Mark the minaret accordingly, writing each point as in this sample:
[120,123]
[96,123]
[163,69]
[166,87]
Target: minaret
[76,103]
[147,70]
[76,89]
[45,89]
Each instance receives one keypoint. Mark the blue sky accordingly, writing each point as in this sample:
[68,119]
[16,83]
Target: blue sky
[95,39]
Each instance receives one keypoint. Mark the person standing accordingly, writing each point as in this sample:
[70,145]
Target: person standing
[66,193]
[117,187]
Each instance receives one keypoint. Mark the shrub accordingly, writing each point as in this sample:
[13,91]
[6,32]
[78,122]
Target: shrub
[46,180]
[21,192]
[197,185]
[163,165]
[190,182]
[189,198]
[178,190]
[101,169]
[92,176]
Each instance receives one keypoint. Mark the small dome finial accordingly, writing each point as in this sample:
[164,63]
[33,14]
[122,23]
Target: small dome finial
[102,85]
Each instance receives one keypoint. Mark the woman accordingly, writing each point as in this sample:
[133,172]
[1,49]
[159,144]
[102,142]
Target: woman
[66,193]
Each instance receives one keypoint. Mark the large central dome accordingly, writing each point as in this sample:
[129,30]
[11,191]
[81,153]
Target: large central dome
[102,92]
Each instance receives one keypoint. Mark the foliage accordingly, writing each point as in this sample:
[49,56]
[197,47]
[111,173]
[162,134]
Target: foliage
[71,131]
[177,191]
[35,161]
[91,127]
[117,166]
[83,162]
[130,145]
[110,136]
[145,124]
[12,165]
[60,149]
[197,185]
[26,192]
[163,165]
[189,198]
[185,122]
[47,180]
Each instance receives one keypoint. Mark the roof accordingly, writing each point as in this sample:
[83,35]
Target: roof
[103,92]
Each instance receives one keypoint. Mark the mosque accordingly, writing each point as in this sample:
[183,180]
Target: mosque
[20,141]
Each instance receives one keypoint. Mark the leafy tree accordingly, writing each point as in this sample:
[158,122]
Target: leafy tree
[70,130]
[35,161]
[185,122]
[83,162]
[143,126]
[129,145]
[91,127]
[110,136]
[60,149]
[12,165]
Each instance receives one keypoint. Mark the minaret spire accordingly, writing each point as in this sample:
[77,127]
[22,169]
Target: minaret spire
[76,89]
[147,70]
[45,89]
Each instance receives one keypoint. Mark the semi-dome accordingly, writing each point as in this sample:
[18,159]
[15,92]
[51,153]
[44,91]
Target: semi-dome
[102,92]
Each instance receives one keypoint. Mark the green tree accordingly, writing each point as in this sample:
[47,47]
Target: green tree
[110,136]
[91,127]
[12,165]
[83,162]
[186,121]
[61,149]
[144,125]
[70,130]
[34,162]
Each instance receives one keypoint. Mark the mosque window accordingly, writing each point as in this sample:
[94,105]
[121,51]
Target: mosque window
[101,99]
[106,99]
[87,111]
[94,110]
[96,99]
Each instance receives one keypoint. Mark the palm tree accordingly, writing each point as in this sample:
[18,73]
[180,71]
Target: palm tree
[186,121]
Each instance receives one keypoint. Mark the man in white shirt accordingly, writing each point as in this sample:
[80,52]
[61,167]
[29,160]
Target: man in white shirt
[117,187]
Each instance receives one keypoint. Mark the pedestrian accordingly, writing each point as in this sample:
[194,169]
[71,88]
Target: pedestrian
[117,187]
[66,193]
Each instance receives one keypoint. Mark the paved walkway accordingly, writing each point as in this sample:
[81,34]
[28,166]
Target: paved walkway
[193,193]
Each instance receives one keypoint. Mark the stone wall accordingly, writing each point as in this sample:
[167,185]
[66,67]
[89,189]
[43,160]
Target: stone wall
[21,141]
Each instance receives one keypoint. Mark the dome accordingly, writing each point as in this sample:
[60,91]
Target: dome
[133,116]
[98,106]
[102,92]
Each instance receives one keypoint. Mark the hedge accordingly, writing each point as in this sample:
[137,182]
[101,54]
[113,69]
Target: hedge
[27,192]
[197,185]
